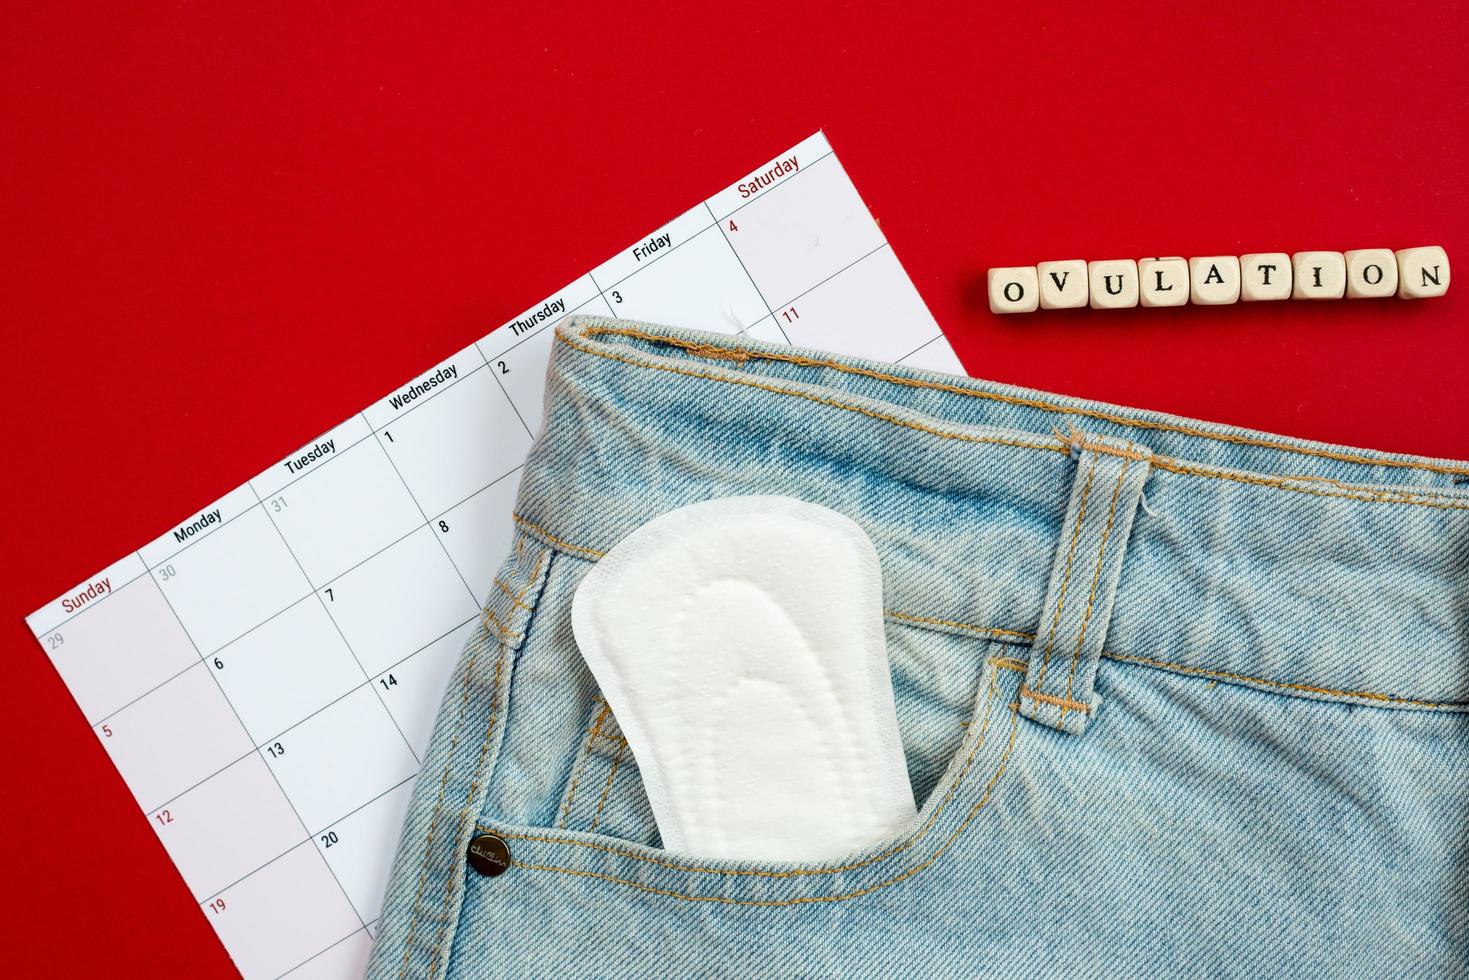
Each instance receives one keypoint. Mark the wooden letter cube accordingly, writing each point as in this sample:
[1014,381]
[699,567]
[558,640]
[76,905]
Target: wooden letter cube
[1319,275]
[1163,281]
[1423,272]
[1214,280]
[1113,283]
[1264,276]
[1371,273]
[1013,289]
[1063,284]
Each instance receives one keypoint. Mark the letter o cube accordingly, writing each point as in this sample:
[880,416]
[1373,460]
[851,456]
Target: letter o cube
[1013,289]
[1372,273]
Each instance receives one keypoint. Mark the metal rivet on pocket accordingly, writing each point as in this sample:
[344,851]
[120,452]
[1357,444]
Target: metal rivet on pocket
[489,855]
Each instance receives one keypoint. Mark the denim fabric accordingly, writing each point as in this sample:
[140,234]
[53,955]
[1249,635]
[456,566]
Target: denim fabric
[1176,698]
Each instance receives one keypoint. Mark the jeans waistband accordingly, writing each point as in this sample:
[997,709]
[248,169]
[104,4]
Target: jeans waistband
[1292,566]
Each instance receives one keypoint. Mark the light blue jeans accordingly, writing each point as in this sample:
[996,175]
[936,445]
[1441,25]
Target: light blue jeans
[1176,698]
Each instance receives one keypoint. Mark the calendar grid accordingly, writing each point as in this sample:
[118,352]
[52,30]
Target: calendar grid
[426,519]
[719,223]
[363,923]
[241,722]
[282,733]
[237,585]
[366,677]
[304,597]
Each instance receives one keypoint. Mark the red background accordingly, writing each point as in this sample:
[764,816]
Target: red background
[223,228]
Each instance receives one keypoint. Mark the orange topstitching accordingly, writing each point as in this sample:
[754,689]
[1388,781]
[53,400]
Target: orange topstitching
[712,351]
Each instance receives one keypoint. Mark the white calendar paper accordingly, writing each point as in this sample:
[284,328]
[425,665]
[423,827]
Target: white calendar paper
[267,672]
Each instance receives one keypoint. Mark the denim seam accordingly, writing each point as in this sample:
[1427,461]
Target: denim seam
[1020,638]
[444,779]
[1076,526]
[433,825]
[479,773]
[1096,578]
[514,599]
[815,899]
[593,730]
[607,788]
[1389,699]
[832,402]
[712,351]
[492,623]
[1000,635]
[552,539]
[917,836]
[1414,498]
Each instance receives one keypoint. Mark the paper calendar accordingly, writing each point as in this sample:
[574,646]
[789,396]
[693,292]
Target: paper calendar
[267,671]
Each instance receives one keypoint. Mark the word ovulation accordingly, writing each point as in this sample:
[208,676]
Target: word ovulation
[1213,280]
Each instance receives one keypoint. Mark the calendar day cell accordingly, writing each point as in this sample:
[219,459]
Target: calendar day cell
[282,915]
[339,758]
[521,371]
[700,284]
[458,443]
[315,455]
[413,689]
[116,651]
[478,533]
[231,581]
[286,668]
[242,805]
[347,960]
[542,316]
[936,355]
[174,738]
[802,232]
[344,513]
[399,602]
[360,846]
[767,177]
[653,247]
[874,290]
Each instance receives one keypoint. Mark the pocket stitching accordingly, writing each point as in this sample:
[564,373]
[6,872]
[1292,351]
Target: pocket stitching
[811,899]
[593,731]
[917,836]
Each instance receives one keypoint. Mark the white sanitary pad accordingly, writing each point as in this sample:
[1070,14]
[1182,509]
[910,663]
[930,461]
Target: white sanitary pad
[740,645]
